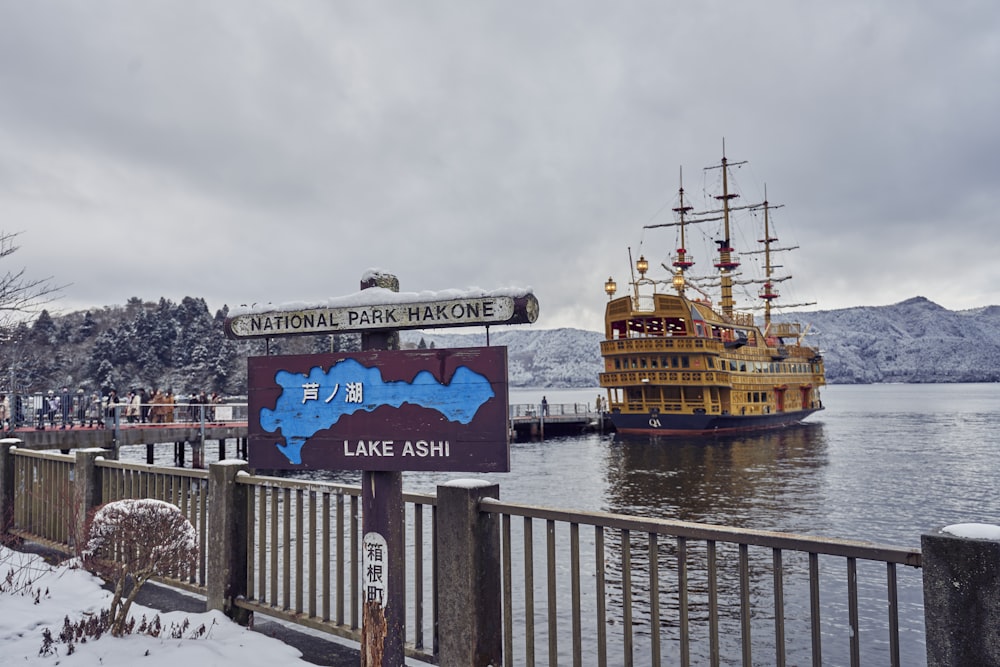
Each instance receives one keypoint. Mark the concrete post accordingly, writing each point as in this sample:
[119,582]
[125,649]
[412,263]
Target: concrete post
[469,571]
[7,483]
[86,492]
[961,572]
[226,542]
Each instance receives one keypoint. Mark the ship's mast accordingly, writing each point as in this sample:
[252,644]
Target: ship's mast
[682,261]
[727,262]
[768,293]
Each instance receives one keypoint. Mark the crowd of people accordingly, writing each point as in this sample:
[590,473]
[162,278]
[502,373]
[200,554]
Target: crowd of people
[65,409]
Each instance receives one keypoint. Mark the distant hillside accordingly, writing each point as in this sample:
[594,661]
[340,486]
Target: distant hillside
[181,347]
[913,341]
[535,357]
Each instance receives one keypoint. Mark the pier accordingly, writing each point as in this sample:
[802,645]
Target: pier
[533,421]
[527,422]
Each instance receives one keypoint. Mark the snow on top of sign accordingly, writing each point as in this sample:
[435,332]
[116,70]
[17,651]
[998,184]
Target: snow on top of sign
[379,296]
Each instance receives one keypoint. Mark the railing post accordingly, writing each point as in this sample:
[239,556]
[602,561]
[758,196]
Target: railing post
[86,492]
[226,542]
[468,563]
[7,483]
[961,572]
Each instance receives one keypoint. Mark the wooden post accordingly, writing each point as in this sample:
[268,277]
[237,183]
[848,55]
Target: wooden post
[7,483]
[198,454]
[86,492]
[226,558]
[384,616]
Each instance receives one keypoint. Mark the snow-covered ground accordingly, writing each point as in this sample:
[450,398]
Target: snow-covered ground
[56,592]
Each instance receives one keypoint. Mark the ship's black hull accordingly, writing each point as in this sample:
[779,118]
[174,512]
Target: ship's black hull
[660,424]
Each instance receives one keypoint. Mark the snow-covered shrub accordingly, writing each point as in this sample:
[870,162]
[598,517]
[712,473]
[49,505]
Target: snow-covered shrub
[132,541]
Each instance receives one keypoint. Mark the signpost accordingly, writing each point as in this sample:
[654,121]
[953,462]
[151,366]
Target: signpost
[382,411]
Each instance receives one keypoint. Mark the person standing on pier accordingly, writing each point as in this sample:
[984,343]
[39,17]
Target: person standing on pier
[52,407]
[81,407]
[66,407]
[112,409]
[95,410]
[132,407]
[4,412]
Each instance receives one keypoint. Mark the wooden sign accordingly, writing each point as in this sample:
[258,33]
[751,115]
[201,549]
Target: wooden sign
[386,311]
[388,410]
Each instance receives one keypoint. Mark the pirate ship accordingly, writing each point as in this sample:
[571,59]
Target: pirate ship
[675,362]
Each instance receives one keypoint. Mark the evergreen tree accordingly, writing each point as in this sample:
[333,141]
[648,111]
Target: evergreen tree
[44,329]
[86,329]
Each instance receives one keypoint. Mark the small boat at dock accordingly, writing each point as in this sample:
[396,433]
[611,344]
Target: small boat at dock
[676,362]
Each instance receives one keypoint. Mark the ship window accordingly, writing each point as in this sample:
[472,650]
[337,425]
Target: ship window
[652,362]
[743,366]
[675,326]
[685,362]
[675,362]
[618,364]
[709,362]
[642,362]
[633,362]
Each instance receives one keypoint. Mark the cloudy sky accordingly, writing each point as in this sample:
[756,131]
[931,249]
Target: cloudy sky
[251,152]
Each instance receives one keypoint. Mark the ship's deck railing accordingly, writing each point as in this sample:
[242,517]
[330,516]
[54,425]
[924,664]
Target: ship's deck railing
[654,377]
[659,344]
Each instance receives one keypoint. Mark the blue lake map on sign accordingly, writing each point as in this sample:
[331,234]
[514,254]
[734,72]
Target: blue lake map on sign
[314,402]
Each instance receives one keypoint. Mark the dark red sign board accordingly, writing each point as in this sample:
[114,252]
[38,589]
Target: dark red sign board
[387,410]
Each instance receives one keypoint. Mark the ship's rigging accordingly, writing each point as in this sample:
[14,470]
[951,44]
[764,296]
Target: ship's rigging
[727,262]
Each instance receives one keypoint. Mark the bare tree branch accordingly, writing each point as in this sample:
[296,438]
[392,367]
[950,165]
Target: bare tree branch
[18,293]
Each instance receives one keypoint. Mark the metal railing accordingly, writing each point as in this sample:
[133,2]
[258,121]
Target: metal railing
[577,587]
[534,410]
[304,555]
[654,592]
[138,415]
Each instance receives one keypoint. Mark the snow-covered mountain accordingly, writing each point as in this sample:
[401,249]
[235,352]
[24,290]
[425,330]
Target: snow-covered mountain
[535,357]
[912,341]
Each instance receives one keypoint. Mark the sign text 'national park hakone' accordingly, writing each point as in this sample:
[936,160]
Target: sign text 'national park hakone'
[462,312]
